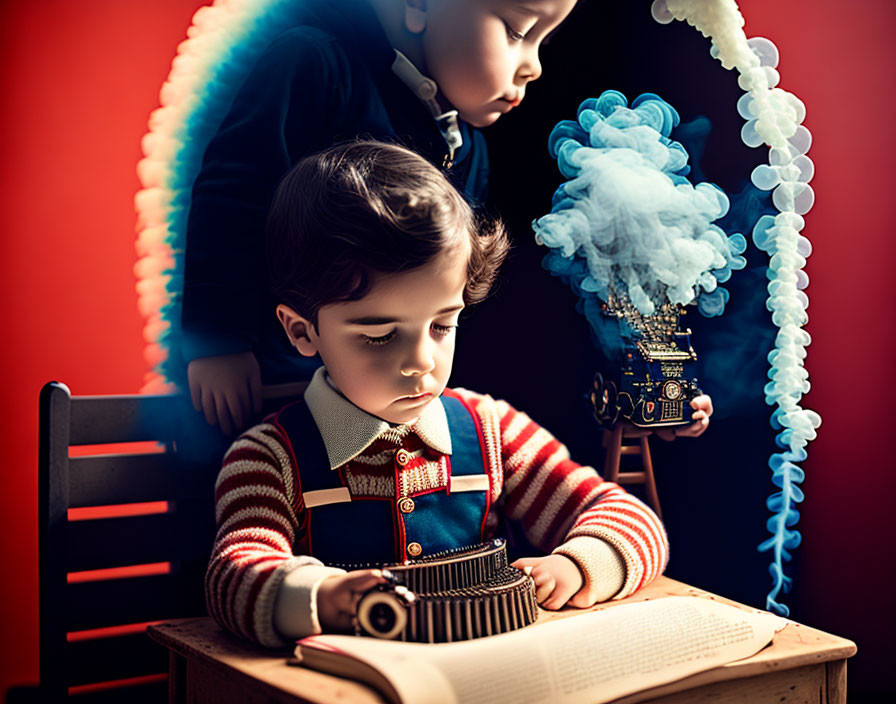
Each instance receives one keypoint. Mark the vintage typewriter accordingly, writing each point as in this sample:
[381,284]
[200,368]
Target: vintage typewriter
[657,366]
[450,596]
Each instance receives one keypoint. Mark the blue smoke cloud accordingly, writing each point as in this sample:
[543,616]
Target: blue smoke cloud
[628,220]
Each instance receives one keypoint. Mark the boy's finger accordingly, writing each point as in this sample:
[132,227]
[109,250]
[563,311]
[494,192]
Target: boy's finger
[703,403]
[365,580]
[524,562]
[244,408]
[235,407]
[208,408]
[581,600]
[223,414]
[558,598]
[544,586]
[244,395]
[196,396]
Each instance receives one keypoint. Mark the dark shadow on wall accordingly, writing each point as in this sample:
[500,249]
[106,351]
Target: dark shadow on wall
[527,343]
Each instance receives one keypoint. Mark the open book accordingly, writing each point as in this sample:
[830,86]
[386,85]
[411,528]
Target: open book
[588,658]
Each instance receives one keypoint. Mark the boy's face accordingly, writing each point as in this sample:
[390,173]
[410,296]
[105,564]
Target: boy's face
[390,353]
[482,53]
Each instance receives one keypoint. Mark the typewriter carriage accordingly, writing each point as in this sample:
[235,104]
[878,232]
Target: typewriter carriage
[459,594]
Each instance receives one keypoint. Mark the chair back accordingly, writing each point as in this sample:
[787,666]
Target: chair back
[125,535]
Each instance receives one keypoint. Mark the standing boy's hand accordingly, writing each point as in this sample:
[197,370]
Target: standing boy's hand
[702,406]
[557,579]
[226,388]
[338,597]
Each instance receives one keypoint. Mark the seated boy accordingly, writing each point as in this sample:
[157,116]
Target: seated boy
[373,255]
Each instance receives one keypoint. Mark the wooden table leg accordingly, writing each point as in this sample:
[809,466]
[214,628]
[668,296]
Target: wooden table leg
[836,681]
[177,678]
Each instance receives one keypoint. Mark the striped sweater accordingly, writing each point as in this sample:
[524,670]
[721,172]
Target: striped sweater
[257,587]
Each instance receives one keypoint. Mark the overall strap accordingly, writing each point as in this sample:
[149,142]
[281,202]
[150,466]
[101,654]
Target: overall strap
[444,520]
[319,484]
[339,530]
[468,455]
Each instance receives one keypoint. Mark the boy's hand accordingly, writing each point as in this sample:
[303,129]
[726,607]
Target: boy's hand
[702,406]
[557,579]
[226,388]
[338,596]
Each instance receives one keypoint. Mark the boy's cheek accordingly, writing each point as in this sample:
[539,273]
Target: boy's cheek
[365,372]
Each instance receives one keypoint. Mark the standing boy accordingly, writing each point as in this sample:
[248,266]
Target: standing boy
[422,73]
[373,256]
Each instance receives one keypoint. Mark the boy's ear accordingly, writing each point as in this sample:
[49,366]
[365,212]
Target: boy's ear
[299,330]
[415,16]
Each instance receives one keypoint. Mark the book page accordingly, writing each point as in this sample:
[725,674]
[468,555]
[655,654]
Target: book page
[589,658]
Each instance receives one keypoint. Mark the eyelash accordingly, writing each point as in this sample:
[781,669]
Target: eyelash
[440,330]
[512,34]
[377,341]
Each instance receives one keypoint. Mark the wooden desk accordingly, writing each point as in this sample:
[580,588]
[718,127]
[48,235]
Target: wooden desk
[802,664]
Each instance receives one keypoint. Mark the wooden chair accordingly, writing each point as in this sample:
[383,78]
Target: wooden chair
[616,447]
[106,572]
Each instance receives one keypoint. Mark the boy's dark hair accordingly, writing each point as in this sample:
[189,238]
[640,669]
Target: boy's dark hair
[361,208]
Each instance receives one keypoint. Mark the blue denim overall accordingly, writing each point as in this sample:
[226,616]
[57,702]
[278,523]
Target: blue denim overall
[384,530]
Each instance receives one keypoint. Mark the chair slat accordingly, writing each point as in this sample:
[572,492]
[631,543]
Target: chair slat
[136,417]
[99,480]
[151,693]
[134,600]
[132,418]
[137,540]
[115,658]
[281,393]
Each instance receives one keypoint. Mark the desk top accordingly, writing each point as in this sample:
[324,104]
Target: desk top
[200,639]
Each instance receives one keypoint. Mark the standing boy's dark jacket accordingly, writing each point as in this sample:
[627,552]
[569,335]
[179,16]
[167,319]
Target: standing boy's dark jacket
[324,81]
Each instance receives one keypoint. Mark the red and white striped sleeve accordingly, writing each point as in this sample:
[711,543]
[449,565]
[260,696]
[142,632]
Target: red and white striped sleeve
[564,506]
[257,526]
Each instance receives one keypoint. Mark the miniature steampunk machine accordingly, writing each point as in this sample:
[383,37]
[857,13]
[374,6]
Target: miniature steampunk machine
[449,596]
[657,366]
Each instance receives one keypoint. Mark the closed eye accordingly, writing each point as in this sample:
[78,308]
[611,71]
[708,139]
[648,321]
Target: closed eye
[376,341]
[442,330]
[512,34]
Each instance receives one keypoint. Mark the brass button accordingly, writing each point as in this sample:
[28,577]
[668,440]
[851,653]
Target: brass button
[406,505]
[402,457]
[414,549]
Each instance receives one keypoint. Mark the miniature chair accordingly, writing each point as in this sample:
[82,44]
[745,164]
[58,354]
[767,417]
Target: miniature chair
[615,446]
[106,572]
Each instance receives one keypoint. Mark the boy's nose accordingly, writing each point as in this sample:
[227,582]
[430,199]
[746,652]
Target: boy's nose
[530,66]
[419,360]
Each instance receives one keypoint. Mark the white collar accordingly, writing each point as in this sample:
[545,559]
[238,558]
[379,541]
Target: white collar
[426,89]
[347,430]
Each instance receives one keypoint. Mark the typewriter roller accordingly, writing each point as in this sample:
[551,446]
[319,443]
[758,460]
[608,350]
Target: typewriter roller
[449,596]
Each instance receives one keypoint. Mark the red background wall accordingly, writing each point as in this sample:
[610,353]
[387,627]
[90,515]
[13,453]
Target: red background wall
[77,81]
